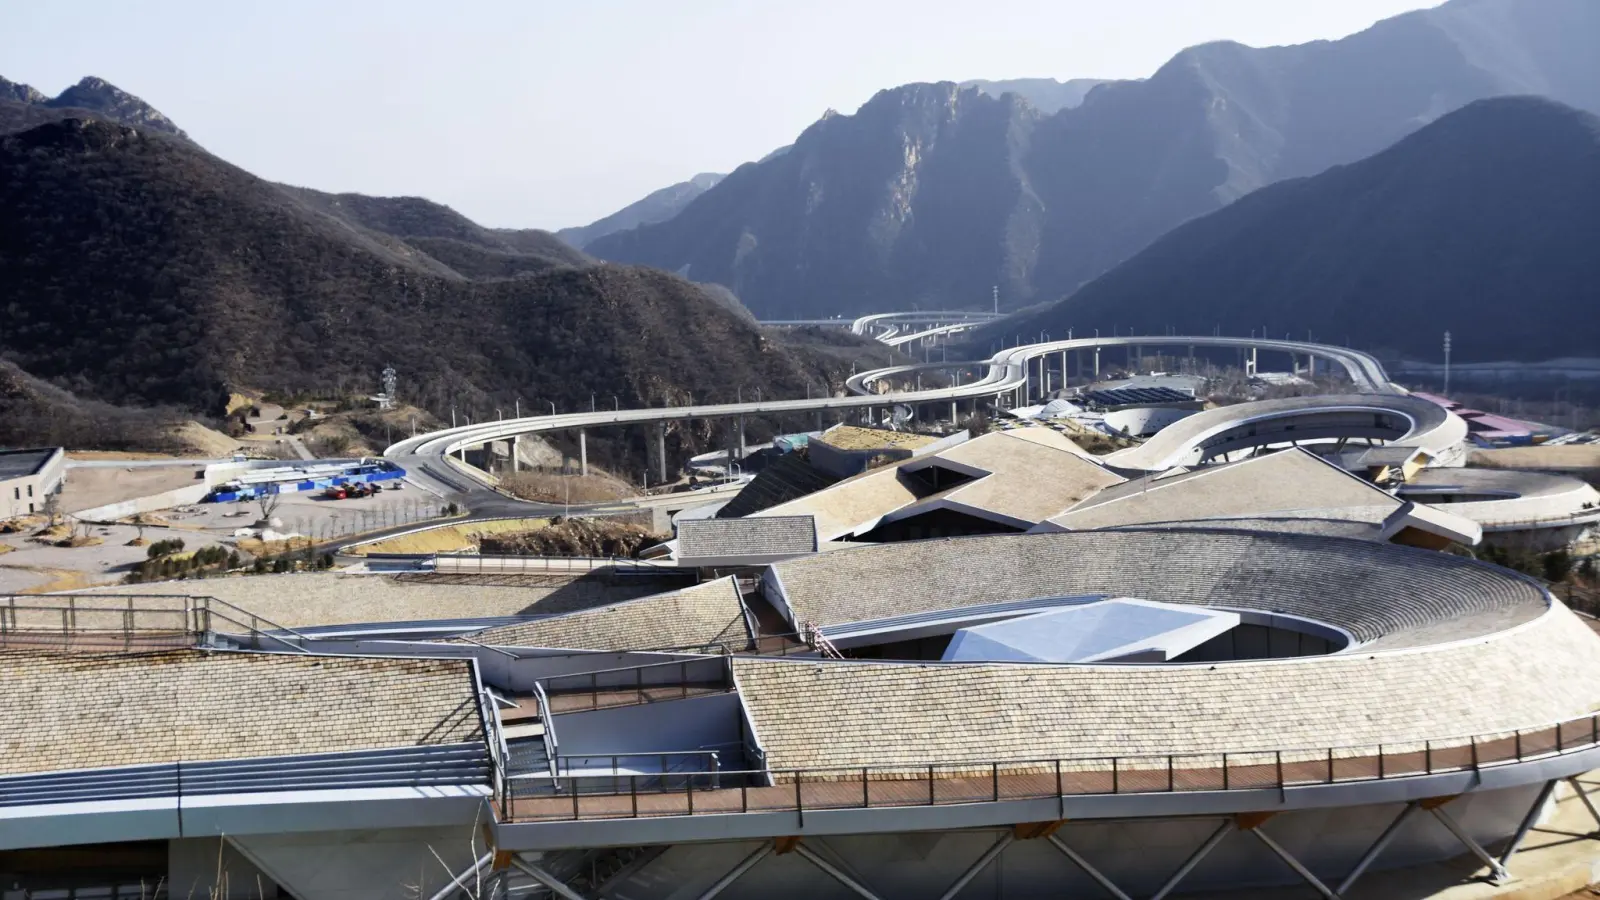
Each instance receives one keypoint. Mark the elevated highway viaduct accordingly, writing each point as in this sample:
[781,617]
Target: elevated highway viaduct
[1016,374]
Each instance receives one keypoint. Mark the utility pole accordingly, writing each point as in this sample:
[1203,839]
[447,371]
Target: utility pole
[1447,363]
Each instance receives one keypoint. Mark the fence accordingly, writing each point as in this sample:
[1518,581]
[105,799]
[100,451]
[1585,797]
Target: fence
[352,521]
[492,564]
[104,623]
[637,685]
[940,784]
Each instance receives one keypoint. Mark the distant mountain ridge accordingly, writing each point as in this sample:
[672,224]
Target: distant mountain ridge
[930,194]
[21,106]
[1483,223]
[657,206]
[1047,95]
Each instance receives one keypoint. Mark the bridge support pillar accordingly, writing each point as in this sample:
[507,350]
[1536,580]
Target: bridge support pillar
[583,452]
[819,420]
[661,452]
[516,453]
[741,437]
[1250,363]
[1063,370]
[1191,358]
[1097,363]
[955,414]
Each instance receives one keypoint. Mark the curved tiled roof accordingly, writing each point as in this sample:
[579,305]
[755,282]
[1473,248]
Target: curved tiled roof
[1384,596]
[825,714]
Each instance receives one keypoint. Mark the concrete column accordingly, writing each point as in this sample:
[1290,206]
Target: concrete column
[516,455]
[1064,384]
[1311,366]
[955,414]
[661,450]
[583,452]
[462,453]
[819,420]
[1097,363]
[1191,358]
[1250,364]
[741,437]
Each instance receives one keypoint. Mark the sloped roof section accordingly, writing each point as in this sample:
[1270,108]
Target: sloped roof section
[696,617]
[758,539]
[193,705]
[1251,488]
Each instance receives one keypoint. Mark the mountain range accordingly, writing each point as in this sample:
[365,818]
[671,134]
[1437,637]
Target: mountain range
[139,270]
[1484,223]
[931,193]
[21,106]
[657,206]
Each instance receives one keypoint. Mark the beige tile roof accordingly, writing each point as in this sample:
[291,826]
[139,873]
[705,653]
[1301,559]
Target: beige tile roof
[97,711]
[1276,483]
[1028,480]
[863,499]
[1386,595]
[307,599]
[706,614]
[823,714]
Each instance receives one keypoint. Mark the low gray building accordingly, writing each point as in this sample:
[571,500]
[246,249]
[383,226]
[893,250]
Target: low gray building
[27,477]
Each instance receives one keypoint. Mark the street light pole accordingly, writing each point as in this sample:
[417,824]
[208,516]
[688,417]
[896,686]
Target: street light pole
[552,407]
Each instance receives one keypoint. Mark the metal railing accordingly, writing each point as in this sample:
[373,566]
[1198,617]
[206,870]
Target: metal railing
[638,685]
[942,784]
[547,728]
[686,765]
[493,564]
[428,766]
[108,623]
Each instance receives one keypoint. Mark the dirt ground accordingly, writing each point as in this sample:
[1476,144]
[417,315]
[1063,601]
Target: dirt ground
[88,487]
[450,538]
[32,567]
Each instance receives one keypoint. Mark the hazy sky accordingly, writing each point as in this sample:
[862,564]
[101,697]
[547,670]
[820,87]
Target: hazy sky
[544,114]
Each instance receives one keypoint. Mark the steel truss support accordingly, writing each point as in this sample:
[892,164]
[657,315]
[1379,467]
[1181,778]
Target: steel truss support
[1377,847]
[837,873]
[1293,863]
[982,862]
[745,865]
[546,879]
[1584,796]
[1194,859]
[458,883]
[1497,872]
[1091,871]
[1533,816]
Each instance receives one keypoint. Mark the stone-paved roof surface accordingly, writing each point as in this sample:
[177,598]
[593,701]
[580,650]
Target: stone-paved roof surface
[698,616]
[81,712]
[1386,595]
[755,536]
[820,714]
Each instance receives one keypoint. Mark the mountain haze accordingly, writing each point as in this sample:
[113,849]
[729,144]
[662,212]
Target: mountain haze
[657,206]
[1484,223]
[929,194]
[1047,95]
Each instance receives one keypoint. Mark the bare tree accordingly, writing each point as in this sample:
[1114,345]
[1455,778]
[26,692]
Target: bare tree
[52,508]
[269,503]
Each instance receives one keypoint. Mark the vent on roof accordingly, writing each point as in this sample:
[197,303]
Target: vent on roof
[938,478]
